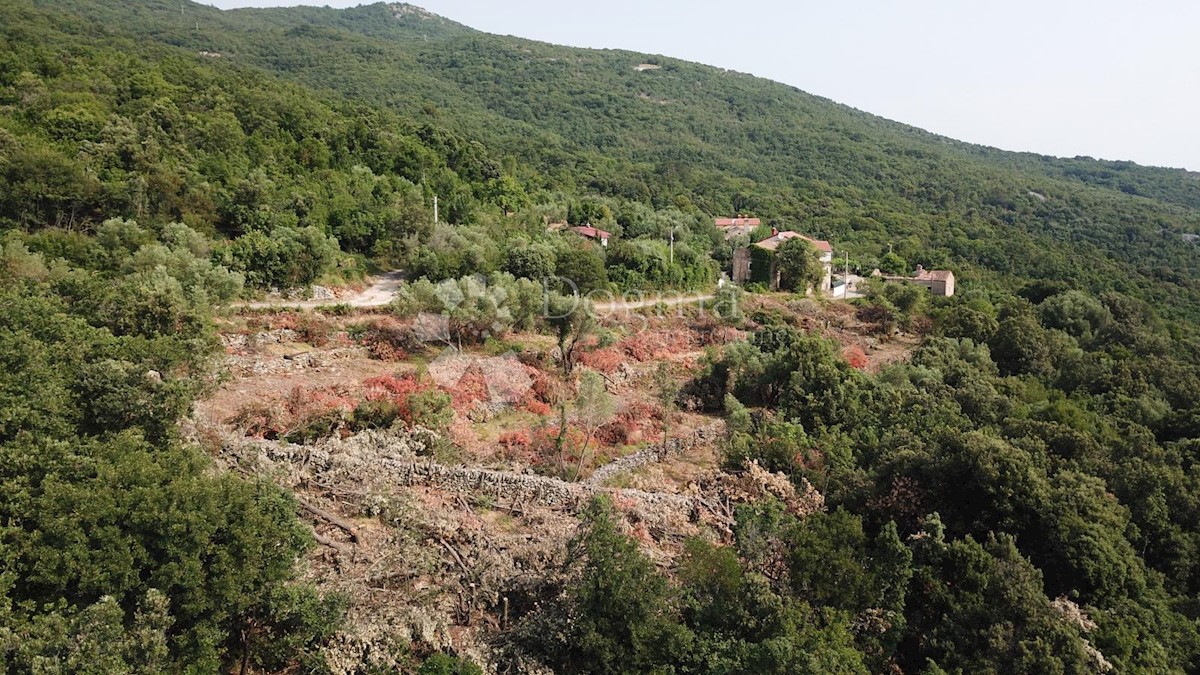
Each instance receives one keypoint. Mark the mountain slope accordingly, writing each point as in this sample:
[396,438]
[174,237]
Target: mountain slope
[1012,448]
[703,139]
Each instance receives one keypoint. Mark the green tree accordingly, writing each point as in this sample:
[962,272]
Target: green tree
[534,261]
[572,319]
[620,616]
[891,263]
[1020,344]
[981,607]
[799,265]
[1080,315]
[581,271]
[594,407]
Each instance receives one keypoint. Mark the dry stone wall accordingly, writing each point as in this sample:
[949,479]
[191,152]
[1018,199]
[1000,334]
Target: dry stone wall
[656,453]
[522,489]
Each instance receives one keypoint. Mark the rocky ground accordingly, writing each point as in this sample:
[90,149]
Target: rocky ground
[439,539]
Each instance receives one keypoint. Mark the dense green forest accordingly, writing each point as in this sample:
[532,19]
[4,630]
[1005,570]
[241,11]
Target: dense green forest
[704,140]
[487,120]
[159,159]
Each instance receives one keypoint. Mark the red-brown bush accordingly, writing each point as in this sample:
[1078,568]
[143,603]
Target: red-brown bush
[856,357]
[470,389]
[619,432]
[314,329]
[531,403]
[514,440]
[606,360]
[656,344]
[397,389]
[261,420]
[544,387]
[388,340]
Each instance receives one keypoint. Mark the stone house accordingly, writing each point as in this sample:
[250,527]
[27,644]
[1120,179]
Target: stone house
[939,282]
[747,271]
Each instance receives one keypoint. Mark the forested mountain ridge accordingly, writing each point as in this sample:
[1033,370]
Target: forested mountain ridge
[1000,481]
[709,141]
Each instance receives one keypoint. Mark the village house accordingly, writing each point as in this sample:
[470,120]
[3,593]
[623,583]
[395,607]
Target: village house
[592,233]
[734,227]
[744,261]
[939,282]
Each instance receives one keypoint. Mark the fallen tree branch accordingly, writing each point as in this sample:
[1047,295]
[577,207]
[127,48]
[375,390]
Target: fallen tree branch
[458,558]
[326,541]
[331,519]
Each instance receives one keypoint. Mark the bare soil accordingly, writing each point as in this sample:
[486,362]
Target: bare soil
[438,566]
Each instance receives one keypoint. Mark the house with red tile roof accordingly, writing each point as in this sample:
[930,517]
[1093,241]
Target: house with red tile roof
[735,227]
[771,243]
[737,222]
[939,282]
[824,251]
[743,260]
[592,233]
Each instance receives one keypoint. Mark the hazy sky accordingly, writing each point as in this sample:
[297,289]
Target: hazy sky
[1109,79]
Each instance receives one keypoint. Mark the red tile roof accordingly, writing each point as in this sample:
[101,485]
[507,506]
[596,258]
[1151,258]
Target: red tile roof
[933,275]
[733,222]
[772,243]
[591,232]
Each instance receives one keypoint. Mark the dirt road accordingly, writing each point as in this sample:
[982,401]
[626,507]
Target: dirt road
[381,291]
[622,305]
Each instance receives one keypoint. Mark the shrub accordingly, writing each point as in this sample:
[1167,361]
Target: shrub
[313,329]
[378,414]
[394,387]
[856,357]
[606,361]
[727,304]
[544,388]
[285,258]
[431,409]
[388,340]
[416,402]
[514,441]
[470,389]
[260,420]
[316,427]
[443,664]
[530,403]
[533,261]
[647,346]
[475,307]
[618,432]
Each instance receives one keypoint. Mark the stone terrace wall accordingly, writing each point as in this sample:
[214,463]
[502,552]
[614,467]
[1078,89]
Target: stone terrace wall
[656,453]
[517,488]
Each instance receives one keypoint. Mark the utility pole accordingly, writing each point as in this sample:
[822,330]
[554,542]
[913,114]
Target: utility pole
[435,210]
[846,279]
[672,246]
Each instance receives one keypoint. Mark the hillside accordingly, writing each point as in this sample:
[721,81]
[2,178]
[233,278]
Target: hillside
[716,142]
[261,411]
